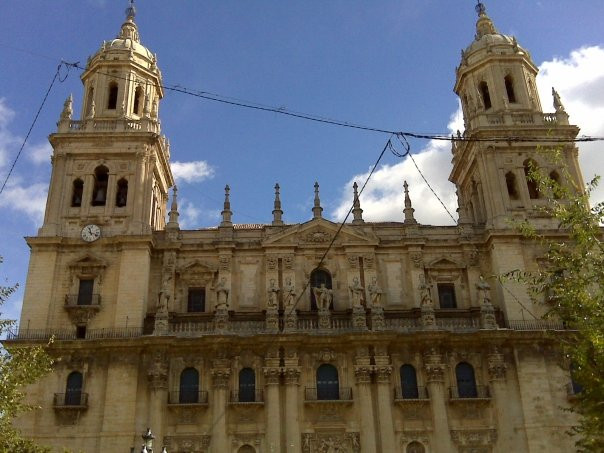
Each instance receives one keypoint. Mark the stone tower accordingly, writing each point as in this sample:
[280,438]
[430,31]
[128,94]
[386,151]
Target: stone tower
[505,131]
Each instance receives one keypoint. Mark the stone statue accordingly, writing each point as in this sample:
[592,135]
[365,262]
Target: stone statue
[164,295]
[356,293]
[289,293]
[273,295]
[484,291]
[426,298]
[323,297]
[375,293]
[557,102]
[222,295]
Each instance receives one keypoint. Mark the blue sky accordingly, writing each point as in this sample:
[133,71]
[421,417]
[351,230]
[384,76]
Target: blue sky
[387,64]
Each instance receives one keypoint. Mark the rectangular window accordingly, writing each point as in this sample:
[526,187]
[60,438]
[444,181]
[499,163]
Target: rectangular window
[446,295]
[85,291]
[197,300]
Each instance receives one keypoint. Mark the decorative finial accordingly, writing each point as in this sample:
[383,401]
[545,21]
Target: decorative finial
[409,219]
[317,209]
[173,215]
[226,212]
[131,10]
[357,212]
[67,108]
[277,212]
[557,102]
[484,25]
[481,10]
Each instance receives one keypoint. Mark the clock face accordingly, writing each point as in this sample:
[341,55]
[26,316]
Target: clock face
[91,233]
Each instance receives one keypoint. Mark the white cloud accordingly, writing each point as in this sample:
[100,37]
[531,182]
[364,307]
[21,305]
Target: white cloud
[579,79]
[189,214]
[28,199]
[40,153]
[194,171]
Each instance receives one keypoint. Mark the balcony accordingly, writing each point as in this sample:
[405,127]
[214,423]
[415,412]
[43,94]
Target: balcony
[92,301]
[187,398]
[247,397]
[410,396]
[480,393]
[343,394]
[70,400]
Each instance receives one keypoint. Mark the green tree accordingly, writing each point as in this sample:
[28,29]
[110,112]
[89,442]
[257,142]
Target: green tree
[571,284]
[19,367]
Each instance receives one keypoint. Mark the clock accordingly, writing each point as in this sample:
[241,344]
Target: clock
[91,233]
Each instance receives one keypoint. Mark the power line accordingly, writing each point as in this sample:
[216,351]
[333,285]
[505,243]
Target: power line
[54,79]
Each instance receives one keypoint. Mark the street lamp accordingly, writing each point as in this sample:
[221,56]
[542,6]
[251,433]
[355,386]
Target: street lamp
[148,438]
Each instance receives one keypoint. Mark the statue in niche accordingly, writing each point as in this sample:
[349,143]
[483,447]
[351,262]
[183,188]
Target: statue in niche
[356,293]
[273,295]
[222,295]
[424,287]
[164,295]
[323,296]
[289,293]
[375,293]
[484,291]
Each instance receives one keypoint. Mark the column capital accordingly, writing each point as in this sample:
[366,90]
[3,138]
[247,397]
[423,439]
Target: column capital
[292,375]
[497,365]
[434,365]
[220,377]
[362,374]
[271,375]
[383,373]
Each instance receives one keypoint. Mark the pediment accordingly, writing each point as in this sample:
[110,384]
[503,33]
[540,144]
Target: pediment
[318,233]
[88,260]
[196,267]
[445,263]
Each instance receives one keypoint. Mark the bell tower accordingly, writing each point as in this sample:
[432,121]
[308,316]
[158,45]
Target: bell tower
[111,166]
[506,132]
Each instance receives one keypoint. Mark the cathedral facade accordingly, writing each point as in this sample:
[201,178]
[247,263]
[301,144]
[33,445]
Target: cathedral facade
[298,338]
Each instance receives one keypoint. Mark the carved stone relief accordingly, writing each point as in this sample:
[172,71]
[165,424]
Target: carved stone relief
[331,442]
[192,443]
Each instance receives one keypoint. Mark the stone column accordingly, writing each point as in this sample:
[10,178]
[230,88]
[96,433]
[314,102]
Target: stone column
[383,371]
[158,385]
[499,393]
[362,372]
[435,377]
[272,374]
[292,419]
[220,383]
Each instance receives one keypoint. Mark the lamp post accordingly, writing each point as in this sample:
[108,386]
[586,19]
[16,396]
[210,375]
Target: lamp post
[148,438]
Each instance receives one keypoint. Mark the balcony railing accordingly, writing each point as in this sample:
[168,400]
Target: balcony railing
[343,394]
[187,397]
[415,394]
[70,400]
[76,300]
[480,392]
[71,334]
[537,324]
[255,396]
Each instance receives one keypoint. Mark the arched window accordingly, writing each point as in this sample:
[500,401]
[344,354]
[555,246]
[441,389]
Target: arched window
[556,184]
[533,187]
[189,386]
[121,197]
[409,388]
[510,182]
[319,277]
[99,193]
[509,88]
[73,390]
[328,385]
[247,385]
[484,92]
[76,193]
[89,101]
[246,449]
[415,447]
[112,98]
[138,101]
[466,382]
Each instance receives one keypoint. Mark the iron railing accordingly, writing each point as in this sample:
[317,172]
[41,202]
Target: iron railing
[76,300]
[477,392]
[536,324]
[177,397]
[343,394]
[412,394]
[246,397]
[71,334]
[70,400]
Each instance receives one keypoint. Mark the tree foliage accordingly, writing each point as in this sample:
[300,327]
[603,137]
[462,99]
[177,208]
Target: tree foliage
[19,367]
[571,282]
